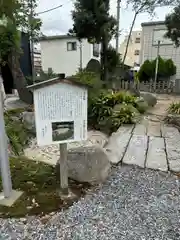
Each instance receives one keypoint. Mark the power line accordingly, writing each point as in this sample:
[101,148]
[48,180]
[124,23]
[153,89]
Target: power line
[49,10]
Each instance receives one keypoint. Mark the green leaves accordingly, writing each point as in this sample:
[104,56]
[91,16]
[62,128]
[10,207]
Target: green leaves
[174,108]
[92,19]
[172,22]
[166,69]
[19,14]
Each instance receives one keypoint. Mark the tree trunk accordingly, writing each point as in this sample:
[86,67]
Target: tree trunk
[19,79]
[128,40]
[104,62]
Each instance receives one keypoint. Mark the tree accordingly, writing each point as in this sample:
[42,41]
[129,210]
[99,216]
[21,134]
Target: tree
[93,21]
[166,69]
[172,22]
[18,14]
[141,6]
[113,58]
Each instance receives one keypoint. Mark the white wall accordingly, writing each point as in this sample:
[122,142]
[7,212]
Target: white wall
[54,55]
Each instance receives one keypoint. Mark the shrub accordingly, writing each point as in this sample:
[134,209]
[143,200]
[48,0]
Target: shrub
[17,133]
[122,114]
[174,108]
[166,68]
[108,111]
[92,80]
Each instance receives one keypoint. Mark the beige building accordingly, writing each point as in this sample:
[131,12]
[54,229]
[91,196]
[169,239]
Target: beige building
[152,32]
[133,54]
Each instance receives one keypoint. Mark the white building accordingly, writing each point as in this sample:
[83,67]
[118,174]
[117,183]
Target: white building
[64,54]
[133,53]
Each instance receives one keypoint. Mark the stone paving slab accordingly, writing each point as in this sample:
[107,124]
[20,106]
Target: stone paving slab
[156,155]
[170,132]
[173,153]
[140,129]
[154,129]
[126,129]
[136,151]
[116,146]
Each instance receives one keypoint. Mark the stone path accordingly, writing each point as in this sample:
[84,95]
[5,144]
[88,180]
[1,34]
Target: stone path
[150,145]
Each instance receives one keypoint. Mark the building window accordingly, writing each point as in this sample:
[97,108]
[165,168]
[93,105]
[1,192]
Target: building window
[158,35]
[71,46]
[138,40]
[136,52]
[96,50]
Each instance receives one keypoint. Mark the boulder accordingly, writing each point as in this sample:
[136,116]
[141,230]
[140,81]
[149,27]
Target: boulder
[142,105]
[149,98]
[29,119]
[88,164]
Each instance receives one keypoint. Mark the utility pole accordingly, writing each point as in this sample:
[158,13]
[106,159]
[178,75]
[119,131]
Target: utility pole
[157,65]
[118,24]
[80,50]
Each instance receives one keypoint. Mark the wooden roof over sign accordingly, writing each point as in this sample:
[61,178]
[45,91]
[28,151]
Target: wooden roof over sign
[59,79]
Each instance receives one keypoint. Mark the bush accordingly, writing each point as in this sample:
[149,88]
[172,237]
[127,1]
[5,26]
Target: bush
[17,132]
[108,111]
[174,108]
[166,69]
[122,114]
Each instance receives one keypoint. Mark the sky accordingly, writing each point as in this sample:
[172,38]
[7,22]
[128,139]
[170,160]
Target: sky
[59,21]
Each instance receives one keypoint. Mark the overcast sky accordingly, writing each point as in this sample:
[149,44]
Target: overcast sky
[59,21]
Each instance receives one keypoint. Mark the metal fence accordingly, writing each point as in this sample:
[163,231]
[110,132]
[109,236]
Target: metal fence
[164,86]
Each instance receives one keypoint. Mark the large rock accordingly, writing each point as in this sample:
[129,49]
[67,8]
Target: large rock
[149,98]
[142,105]
[29,119]
[88,164]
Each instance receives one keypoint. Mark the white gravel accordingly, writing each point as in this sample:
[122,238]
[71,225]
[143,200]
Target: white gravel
[133,204]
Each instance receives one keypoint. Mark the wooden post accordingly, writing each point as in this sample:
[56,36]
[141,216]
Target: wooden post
[63,169]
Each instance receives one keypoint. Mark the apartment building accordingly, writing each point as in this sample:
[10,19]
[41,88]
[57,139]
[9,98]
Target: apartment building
[152,32]
[134,48]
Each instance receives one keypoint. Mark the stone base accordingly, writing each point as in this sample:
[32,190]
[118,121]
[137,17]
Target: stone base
[69,195]
[8,202]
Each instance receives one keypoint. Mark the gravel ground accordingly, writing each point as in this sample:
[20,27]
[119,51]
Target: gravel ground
[134,204]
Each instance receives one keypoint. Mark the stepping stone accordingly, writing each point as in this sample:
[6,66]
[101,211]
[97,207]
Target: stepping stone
[170,132]
[154,129]
[156,155]
[136,151]
[140,129]
[173,153]
[126,129]
[116,146]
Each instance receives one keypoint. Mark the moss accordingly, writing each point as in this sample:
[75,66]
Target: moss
[40,186]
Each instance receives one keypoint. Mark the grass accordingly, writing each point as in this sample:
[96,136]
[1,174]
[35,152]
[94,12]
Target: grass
[40,185]
[174,108]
